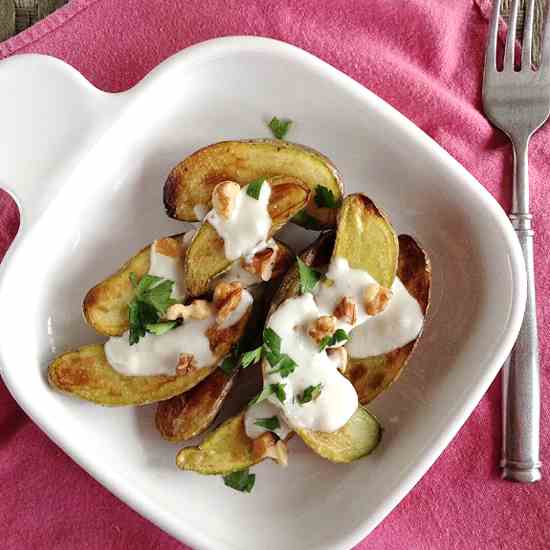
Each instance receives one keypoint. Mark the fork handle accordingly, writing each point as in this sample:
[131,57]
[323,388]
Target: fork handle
[521,387]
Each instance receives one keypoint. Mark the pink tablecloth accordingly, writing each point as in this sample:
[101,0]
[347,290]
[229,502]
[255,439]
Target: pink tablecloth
[425,58]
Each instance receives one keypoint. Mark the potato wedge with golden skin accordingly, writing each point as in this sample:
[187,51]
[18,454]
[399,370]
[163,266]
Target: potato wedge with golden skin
[187,415]
[226,450]
[357,438]
[205,258]
[105,307]
[191,182]
[86,373]
[372,375]
[366,239]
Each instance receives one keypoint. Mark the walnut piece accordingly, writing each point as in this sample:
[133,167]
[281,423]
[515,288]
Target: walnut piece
[340,357]
[262,263]
[223,198]
[198,309]
[168,247]
[346,310]
[227,297]
[269,446]
[376,298]
[324,326]
[186,364]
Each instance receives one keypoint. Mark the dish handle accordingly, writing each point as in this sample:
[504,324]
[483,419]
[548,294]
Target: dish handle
[49,113]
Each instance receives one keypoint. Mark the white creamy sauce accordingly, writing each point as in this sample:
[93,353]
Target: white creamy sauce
[261,411]
[200,211]
[346,281]
[338,399]
[399,324]
[187,238]
[248,224]
[168,267]
[154,355]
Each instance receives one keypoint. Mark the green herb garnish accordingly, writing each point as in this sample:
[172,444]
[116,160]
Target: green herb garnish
[152,299]
[279,127]
[251,357]
[308,277]
[161,328]
[228,365]
[240,481]
[272,341]
[270,424]
[310,394]
[307,221]
[284,366]
[277,389]
[324,198]
[254,188]
[339,336]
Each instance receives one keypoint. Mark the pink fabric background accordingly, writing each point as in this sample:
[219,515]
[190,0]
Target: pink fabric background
[423,57]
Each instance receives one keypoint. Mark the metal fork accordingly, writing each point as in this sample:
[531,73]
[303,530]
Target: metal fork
[518,102]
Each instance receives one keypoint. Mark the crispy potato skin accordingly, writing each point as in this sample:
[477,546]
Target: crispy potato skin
[227,449]
[359,436]
[187,415]
[206,259]
[372,375]
[191,182]
[86,373]
[105,306]
[366,239]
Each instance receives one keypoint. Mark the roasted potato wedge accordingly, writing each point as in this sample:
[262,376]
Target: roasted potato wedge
[191,182]
[366,239]
[105,307]
[372,375]
[228,449]
[187,415]
[205,258]
[86,373]
[356,439]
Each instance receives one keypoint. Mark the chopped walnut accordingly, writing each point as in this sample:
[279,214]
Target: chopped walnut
[168,247]
[324,326]
[346,310]
[262,263]
[224,196]
[268,446]
[199,309]
[376,298]
[340,357]
[186,364]
[227,297]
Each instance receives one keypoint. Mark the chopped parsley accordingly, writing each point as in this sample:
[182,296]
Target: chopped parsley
[306,220]
[272,341]
[231,362]
[309,277]
[251,357]
[279,126]
[240,481]
[284,366]
[311,393]
[324,198]
[339,336]
[161,328]
[254,188]
[152,299]
[277,389]
[270,424]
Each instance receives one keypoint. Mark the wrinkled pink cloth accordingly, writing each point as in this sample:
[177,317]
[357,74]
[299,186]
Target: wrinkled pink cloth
[423,57]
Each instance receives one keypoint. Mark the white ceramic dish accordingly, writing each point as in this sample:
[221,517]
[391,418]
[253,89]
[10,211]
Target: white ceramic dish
[87,170]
